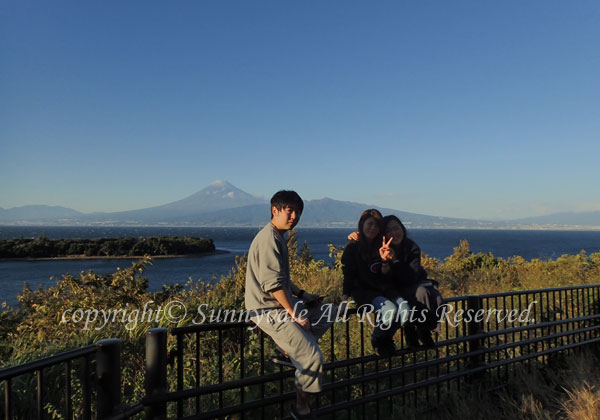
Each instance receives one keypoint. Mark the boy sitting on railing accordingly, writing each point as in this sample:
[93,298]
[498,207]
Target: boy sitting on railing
[276,302]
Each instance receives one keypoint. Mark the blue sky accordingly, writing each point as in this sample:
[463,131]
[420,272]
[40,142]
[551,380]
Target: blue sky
[479,109]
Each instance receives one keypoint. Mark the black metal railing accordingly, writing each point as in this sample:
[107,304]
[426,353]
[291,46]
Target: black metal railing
[224,369]
[37,367]
[216,370]
[94,369]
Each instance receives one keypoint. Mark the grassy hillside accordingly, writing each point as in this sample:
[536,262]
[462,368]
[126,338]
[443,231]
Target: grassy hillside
[39,327]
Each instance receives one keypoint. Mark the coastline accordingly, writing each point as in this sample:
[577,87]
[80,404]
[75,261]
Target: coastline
[116,257]
[341,225]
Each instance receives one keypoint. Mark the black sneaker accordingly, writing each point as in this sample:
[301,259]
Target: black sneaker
[389,348]
[297,416]
[425,338]
[376,344]
[410,336]
[384,347]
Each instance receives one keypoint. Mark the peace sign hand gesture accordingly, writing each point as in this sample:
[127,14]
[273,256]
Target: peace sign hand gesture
[385,252]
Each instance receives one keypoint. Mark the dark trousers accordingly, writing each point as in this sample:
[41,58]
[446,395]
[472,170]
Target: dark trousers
[426,300]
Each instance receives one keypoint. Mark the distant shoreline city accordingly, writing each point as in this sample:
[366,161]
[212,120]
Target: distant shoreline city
[309,226]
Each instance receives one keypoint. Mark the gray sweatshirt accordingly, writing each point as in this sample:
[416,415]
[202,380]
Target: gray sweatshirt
[268,269]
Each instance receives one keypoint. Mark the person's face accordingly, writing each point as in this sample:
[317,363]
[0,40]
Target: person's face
[286,218]
[370,228]
[394,230]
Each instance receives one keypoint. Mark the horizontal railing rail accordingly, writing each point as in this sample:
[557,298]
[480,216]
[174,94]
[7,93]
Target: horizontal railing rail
[35,365]
[223,369]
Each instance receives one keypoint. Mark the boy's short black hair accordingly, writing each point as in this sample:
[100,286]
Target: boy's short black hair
[282,199]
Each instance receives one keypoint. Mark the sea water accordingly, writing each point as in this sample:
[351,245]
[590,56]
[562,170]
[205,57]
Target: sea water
[438,243]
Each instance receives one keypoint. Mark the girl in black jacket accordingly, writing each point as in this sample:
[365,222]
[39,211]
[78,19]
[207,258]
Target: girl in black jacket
[402,266]
[364,281]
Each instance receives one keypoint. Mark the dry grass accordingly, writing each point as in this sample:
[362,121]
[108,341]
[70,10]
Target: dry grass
[569,391]
[583,403]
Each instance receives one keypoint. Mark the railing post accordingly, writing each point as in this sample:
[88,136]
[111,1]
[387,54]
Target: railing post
[108,371]
[7,400]
[86,387]
[156,371]
[474,326]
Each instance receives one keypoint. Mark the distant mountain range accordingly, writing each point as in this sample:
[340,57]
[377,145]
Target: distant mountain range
[38,212]
[587,218]
[217,196]
[222,204]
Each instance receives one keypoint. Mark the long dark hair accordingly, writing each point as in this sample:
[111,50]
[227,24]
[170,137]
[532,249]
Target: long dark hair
[367,249]
[404,243]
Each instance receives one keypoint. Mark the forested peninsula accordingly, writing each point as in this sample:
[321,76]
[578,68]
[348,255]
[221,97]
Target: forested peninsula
[43,247]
